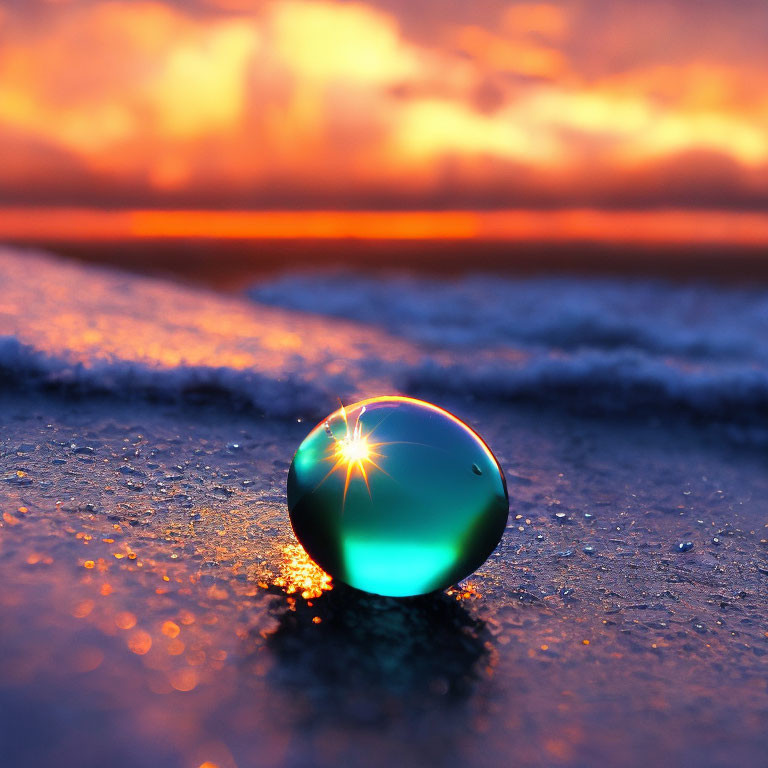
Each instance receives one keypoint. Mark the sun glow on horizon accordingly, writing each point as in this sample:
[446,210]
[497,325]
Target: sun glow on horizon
[673,226]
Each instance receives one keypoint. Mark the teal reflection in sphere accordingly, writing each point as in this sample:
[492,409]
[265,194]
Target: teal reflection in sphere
[396,496]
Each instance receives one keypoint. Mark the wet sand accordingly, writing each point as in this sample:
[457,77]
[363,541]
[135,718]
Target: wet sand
[155,610]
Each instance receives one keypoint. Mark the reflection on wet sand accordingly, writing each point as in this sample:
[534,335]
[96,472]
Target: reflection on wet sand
[366,652]
[354,655]
[154,608]
[298,575]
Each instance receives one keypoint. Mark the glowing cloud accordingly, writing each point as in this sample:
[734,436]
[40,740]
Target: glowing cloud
[229,100]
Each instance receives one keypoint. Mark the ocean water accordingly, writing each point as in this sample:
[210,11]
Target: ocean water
[83,329]
[612,344]
[297,344]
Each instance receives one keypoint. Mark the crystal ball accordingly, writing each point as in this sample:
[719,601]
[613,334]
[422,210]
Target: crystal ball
[396,496]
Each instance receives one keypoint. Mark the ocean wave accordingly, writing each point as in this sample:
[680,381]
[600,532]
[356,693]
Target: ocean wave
[697,321]
[603,346]
[81,329]
[22,365]
[606,382]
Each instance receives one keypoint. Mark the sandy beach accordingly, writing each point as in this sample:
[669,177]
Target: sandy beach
[158,610]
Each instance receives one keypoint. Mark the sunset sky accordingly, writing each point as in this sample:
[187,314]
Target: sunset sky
[437,104]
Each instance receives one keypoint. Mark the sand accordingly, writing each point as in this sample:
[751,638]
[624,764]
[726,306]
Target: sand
[156,612]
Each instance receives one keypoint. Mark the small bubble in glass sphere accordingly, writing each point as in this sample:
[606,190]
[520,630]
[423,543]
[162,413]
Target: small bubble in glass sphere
[397,497]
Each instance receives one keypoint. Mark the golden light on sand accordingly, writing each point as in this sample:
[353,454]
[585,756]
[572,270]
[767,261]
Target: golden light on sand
[140,642]
[299,575]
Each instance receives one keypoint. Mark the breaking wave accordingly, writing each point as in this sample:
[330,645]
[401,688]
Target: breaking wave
[610,344]
[301,342]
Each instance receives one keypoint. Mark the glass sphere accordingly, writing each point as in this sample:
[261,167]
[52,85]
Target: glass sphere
[397,497]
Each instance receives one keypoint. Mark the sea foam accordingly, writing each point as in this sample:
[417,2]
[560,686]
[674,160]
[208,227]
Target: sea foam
[302,342]
[610,344]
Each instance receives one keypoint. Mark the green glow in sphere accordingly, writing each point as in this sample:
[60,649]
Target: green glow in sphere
[397,497]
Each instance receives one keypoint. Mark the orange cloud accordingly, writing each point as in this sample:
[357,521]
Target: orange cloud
[500,54]
[316,98]
[124,77]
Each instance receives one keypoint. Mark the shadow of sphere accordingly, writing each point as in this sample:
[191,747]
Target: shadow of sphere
[369,656]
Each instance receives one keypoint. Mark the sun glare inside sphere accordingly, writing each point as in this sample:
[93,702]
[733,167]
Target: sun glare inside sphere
[396,496]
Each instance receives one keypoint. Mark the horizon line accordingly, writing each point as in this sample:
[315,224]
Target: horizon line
[671,226]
